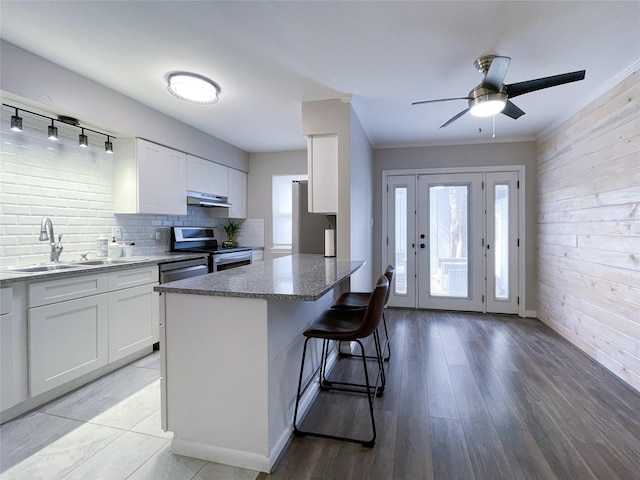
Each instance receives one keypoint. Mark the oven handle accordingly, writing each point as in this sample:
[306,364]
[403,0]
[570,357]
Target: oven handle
[231,257]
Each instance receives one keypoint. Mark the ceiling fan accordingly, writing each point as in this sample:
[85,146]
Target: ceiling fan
[492,96]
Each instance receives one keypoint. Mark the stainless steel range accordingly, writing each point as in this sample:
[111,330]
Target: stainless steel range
[202,240]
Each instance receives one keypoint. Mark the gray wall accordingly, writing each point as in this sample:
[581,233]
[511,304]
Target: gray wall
[262,167]
[362,207]
[52,89]
[493,154]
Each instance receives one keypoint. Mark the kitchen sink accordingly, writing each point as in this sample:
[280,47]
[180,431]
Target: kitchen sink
[108,261]
[41,268]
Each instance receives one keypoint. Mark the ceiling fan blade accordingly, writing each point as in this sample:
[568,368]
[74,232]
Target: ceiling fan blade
[520,88]
[510,110]
[440,100]
[496,73]
[453,119]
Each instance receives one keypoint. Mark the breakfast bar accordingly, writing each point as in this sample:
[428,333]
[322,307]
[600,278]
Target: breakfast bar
[231,344]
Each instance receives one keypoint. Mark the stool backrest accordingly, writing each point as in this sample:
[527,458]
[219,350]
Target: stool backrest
[373,313]
[390,272]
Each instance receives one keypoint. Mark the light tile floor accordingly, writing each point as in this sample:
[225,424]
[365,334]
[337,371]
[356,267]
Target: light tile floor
[107,430]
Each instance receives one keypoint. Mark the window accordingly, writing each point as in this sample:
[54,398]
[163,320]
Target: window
[281,192]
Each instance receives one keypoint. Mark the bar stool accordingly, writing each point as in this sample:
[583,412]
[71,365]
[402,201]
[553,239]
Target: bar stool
[339,325]
[357,300]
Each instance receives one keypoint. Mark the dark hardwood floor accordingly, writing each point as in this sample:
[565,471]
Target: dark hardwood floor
[472,396]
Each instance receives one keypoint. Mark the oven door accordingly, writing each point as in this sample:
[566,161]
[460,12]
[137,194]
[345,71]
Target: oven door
[225,261]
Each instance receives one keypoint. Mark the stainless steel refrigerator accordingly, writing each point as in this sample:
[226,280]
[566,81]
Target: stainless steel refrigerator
[308,228]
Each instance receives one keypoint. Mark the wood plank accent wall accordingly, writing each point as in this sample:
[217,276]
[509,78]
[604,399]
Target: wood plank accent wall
[589,229]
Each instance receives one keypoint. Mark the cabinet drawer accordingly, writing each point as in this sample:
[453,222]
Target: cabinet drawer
[45,293]
[131,278]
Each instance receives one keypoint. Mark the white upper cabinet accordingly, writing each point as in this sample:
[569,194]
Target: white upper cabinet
[205,176]
[237,194]
[149,178]
[322,156]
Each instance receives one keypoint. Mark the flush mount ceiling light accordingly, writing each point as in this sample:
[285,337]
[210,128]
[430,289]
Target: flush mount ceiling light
[193,88]
[16,122]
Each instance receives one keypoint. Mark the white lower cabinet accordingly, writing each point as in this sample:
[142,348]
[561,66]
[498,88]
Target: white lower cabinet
[14,378]
[133,320]
[67,340]
[79,324]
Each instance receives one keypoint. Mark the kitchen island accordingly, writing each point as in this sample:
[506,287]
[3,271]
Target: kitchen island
[231,346]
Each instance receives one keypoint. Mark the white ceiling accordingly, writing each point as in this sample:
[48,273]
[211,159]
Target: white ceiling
[271,56]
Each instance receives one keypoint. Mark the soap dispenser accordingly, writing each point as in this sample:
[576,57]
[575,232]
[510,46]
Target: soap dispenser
[115,249]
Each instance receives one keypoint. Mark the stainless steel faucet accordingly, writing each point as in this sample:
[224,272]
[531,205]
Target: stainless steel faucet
[46,233]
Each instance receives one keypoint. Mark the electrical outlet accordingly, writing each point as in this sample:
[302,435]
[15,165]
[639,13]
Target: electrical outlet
[158,235]
[117,233]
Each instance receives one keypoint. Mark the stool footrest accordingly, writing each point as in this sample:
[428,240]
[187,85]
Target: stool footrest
[364,443]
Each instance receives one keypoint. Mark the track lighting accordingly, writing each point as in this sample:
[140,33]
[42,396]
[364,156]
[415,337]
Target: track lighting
[108,146]
[52,131]
[83,141]
[16,122]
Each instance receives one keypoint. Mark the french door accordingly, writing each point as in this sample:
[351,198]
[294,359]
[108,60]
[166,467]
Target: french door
[453,238]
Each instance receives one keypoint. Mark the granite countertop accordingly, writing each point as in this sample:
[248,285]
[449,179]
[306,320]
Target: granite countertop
[302,277]
[8,276]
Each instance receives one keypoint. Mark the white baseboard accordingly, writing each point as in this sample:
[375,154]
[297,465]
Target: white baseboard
[226,456]
[530,314]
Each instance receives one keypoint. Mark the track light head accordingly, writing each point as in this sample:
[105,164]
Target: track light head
[83,140]
[52,131]
[16,122]
[108,146]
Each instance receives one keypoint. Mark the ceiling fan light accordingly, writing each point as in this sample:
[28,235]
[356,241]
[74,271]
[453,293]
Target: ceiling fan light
[488,104]
[193,88]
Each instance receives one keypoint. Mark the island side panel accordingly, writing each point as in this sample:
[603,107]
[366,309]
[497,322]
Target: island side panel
[216,369]
[287,322]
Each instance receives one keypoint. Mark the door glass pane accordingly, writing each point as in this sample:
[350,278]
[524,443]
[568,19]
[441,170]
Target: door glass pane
[501,242]
[448,240]
[401,240]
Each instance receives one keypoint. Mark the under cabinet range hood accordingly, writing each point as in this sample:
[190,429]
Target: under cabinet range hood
[206,200]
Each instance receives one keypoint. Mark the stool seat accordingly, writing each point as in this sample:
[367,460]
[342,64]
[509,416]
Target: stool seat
[340,325]
[352,301]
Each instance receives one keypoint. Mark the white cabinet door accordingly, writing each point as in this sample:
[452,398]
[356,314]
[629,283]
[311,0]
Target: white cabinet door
[149,178]
[14,375]
[133,320]
[237,194]
[198,174]
[207,177]
[66,341]
[173,183]
[322,156]
[219,179]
